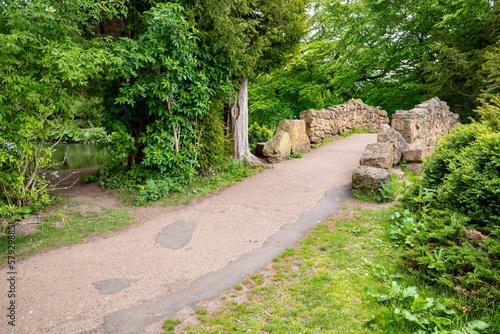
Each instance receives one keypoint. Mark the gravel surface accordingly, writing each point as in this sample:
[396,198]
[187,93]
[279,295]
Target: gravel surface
[129,281]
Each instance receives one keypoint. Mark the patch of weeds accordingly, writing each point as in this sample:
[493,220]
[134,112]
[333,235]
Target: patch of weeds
[201,311]
[257,278]
[169,325]
[387,192]
[65,227]
[294,155]
[422,314]
[238,287]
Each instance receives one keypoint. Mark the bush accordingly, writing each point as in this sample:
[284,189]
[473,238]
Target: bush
[214,145]
[436,166]
[473,184]
[444,248]
[85,136]
[257,134]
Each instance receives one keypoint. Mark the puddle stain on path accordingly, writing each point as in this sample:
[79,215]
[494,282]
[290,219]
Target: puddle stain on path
[176,235]
[113,285]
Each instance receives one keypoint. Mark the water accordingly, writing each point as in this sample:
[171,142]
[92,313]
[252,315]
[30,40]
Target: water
[79,155]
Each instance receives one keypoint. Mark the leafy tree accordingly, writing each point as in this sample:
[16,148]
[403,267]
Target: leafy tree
[48,58]
[389,53]
[164,89]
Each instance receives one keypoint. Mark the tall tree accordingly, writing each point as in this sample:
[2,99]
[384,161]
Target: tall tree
[250,36]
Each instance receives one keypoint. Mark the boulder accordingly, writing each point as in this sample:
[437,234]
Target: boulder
[380,155]
[369,179]
[278,147]
[298,136]
[416,153]
[389,135]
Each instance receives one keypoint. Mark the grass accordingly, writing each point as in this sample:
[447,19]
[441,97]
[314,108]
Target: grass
[66,227]
[322,285]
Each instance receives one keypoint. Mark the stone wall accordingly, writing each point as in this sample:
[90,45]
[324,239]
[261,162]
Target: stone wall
[422,126]
[412,136]
[335,120]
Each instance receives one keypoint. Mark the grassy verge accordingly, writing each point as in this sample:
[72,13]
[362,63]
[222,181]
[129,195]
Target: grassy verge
[346,277]
[66,227]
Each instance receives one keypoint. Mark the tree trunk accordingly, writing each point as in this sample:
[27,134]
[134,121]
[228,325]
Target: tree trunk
[239,124]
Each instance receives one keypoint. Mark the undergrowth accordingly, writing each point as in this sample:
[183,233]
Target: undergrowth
[142,186]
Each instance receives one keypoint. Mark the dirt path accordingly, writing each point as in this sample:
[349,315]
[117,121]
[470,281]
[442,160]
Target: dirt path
[129,281]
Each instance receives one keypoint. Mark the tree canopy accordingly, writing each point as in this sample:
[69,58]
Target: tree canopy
[389,53]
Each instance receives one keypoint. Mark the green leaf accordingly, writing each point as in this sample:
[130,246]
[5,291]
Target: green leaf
[477,324]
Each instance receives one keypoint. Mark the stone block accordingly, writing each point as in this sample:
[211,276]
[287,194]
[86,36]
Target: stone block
[389,135]
[298,136]
[417,153]
[369,179]
[378,155]
[278,147]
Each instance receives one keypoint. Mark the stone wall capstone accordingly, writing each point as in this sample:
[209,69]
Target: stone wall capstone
[335,120]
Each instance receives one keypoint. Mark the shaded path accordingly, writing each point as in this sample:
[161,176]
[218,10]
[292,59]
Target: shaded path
[132,280]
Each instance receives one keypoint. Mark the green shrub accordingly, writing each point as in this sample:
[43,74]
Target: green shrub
[436,166]
[444,247]
[257,134]
[214,145]
[473,184]
[423,314]
[489,113]
[85,136]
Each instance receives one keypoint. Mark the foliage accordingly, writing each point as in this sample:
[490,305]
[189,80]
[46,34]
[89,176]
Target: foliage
[214,144]
[85,136]
[473,184]
[160,72]
[258,134]
[442,246]
[489,113]
[450,230]
[387,192]
[144,185]
[47,62]
[390,53]
[437,166]
[423,314]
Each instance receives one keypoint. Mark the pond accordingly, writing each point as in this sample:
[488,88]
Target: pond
[79,155]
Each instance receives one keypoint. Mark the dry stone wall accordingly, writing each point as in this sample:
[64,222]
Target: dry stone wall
[335,120]
[422,126]
[412,136]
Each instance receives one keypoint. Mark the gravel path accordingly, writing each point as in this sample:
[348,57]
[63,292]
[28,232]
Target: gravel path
[129,281]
